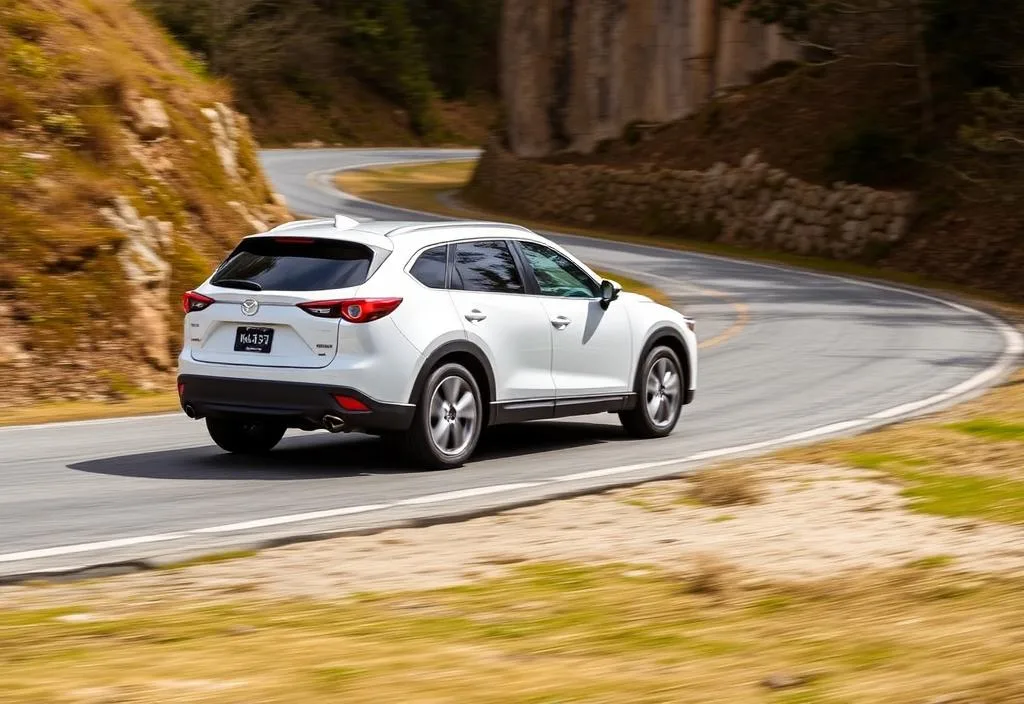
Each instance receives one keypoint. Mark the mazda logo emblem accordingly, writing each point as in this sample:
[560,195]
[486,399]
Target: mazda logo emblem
[249,306]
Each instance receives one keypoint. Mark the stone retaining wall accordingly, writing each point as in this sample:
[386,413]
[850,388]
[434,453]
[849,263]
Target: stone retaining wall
[750,203]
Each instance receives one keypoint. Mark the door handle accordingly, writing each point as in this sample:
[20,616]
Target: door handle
[561,322]
[475,316]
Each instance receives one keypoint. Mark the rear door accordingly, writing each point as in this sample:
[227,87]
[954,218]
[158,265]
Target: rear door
[488,291]
[256,321]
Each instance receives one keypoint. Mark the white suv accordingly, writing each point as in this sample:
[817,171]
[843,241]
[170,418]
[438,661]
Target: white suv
[425,331]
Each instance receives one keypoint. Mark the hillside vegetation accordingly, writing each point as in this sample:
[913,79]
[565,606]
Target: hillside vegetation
[123,174]
[398,72]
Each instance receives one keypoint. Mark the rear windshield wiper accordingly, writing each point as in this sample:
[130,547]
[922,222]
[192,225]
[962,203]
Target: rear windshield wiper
[237,283]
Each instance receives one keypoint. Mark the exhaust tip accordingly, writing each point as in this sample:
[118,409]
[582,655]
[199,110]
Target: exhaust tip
[333,424]
[190,411]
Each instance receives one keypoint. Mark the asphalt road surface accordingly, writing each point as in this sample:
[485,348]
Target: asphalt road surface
[787,356]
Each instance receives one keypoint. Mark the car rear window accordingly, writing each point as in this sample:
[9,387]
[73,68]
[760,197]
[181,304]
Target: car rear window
[295,264]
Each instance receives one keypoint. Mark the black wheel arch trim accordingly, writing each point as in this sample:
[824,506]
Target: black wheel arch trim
[448,348]
[653,338]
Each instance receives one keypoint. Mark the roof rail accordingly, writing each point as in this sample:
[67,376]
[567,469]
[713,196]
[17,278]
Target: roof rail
[456,223]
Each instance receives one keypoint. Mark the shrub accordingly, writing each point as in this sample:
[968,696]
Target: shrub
[725,486]
[15,107]
[100,136]
[64,125]
[29,60]
[710,576]
[869,154]
[26,23]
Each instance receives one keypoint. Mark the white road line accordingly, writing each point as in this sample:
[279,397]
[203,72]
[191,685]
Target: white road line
[81,423]
[906,408]
[464,493]
[624,469]
[823,430]
[292,518]
[89,547]
[711,454]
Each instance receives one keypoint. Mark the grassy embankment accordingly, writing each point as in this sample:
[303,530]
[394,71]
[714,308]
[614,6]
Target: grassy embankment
[547,633]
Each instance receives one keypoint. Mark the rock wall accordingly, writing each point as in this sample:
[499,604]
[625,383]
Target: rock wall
[576,72]
[750,203]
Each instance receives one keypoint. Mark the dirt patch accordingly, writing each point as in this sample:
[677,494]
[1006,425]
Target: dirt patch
[812,522]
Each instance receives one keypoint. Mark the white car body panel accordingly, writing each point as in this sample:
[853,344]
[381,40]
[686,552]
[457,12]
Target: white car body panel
[592,353]
[300,340]
[513,331]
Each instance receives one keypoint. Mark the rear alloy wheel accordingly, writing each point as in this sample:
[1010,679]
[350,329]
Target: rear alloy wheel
[660,396]
[245,436]
[448,418]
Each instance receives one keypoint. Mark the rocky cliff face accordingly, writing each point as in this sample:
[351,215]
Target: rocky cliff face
[575,72]
[123,176]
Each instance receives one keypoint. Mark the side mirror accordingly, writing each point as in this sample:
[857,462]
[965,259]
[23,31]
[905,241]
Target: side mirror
[610,290]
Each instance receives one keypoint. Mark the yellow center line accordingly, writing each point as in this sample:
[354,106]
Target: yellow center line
[742,318]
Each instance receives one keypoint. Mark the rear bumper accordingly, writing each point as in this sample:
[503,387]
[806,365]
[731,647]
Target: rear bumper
[299,405]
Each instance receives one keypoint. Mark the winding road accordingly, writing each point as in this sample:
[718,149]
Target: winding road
[787,356]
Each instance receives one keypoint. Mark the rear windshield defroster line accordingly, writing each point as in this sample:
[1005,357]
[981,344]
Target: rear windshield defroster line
[306,264]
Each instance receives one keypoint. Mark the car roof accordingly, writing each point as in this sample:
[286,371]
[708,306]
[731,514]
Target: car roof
[392,234]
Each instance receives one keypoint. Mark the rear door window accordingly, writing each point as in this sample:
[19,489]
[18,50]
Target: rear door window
[486,267]
[294,264]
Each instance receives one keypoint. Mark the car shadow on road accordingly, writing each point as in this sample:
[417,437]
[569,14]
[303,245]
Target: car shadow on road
[318,456]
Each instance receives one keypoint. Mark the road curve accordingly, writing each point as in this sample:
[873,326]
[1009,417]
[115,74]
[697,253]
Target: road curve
[788,356]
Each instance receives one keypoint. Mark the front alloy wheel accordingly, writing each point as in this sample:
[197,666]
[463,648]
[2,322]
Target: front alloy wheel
[661,393]
[660,396]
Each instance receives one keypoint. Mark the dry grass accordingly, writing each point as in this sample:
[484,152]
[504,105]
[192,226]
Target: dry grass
[549,632]
[965,462]
[62,411]
[726,485]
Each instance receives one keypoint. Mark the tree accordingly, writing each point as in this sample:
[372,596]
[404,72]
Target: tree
[845,29]
[975,44]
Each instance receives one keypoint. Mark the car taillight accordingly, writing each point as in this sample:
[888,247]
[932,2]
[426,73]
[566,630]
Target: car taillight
[350,404]
[354,310]
[192,301]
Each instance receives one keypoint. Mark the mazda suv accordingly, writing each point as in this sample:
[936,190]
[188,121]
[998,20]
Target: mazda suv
[424,332]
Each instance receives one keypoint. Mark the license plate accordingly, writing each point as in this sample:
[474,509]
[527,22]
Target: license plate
[254,339]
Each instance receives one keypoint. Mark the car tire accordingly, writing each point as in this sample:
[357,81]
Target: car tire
[245,436]
[659,392]
[448,419]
